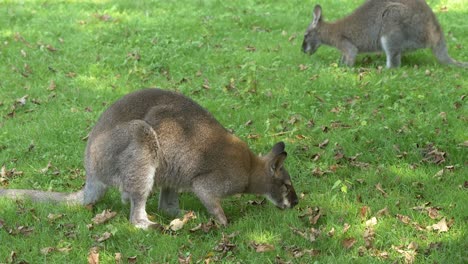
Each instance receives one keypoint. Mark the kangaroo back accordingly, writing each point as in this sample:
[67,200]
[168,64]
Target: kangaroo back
[391,26]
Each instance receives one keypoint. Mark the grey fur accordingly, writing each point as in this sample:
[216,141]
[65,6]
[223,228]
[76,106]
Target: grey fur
[153,137]
[391,26]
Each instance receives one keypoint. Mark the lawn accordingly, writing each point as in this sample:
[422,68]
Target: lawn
[378,157]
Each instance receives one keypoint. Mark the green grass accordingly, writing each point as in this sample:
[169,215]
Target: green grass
[73,58]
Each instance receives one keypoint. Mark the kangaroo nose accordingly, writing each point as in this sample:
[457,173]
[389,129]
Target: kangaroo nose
[293,199]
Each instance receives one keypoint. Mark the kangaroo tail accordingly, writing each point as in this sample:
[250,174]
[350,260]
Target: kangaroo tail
[441,53]
[43,196]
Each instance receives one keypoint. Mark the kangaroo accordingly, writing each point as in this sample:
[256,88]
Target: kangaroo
[392,26]
[155,137]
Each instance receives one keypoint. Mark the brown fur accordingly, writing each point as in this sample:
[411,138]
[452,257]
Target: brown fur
[391,26]
[159,138]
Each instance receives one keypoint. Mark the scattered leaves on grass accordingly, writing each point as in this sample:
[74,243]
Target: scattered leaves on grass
[184,259]
[261,247]
[178,223]
[408,252]
[225,245]
[205,227]
[103,217]
[348,242]
[312,214]
[298,252]
[23,230]
[312,234]
[432,154]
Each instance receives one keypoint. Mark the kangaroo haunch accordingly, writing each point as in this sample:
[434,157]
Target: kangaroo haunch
[153,137]
[391,26]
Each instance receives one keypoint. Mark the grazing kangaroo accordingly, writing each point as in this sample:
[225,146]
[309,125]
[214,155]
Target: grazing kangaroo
[392,26]
[154,137]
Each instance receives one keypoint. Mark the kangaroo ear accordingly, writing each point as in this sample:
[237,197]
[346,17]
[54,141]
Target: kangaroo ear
[317,15]
[278,161]
[278,148]
[277,156]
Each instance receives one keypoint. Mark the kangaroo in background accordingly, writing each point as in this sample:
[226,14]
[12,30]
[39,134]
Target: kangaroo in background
[392,26]
[154,137]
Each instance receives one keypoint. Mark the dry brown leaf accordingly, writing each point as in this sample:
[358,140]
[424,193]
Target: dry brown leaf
[441,226]
[346,226]
[205,227]
[371,222]
[106,235]
[379,188]
[118,257]
[225,245]
[383,212]
[52,217]
[364,211]
[52,86]
[93,255]
[349,242]
[311,235]
[369,235]
[184,259]
[262,247]
[103,217]
[324,143]
[47,250]
[403,218]
[132,259]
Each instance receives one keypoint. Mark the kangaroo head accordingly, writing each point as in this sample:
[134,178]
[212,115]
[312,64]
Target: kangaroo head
[312,35]
[278,187]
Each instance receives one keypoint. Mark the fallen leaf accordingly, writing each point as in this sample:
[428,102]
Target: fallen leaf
[93,255]
[383,212]
[132,259]
[176,224]
[53,217]
[364,211]
[403,218]
[106,235]
[103,217]
[379,188]
[324,143]
[331,233]
[346,226]
[184,259]
[262,247]
[205,227]
[118,257]
[441,226]
[52,86]
[369,235]
[371,222]
[311,235]
[348,242]
[225,245]
[47,250]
